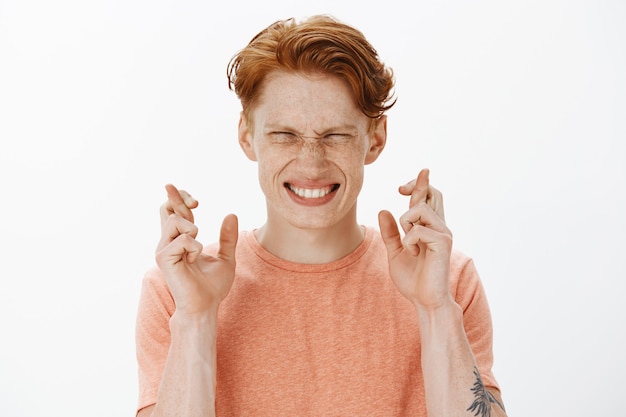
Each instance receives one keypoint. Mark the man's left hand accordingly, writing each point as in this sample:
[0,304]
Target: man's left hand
[419,263]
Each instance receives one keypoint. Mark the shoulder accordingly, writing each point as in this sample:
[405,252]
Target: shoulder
[465,283]
[153,279]
[155,294]
[462,265]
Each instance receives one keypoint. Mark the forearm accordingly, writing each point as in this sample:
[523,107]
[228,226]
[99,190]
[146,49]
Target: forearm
[452,383]
[189,378]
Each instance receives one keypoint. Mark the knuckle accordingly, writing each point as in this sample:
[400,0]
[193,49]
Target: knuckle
[160,256]
[166,208]
[170,221]
[183,239]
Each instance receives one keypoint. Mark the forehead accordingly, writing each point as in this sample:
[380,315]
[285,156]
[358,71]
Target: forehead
[304,100]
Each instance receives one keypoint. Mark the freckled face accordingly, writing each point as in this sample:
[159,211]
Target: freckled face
[311,143]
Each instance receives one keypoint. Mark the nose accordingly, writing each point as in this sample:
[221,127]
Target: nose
[312,148]
[312,157]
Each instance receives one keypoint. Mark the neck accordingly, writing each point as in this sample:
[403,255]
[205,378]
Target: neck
[309,246]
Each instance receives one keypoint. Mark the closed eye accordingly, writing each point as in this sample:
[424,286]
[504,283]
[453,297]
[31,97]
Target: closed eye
[284,137]
[337,138]
[290,138]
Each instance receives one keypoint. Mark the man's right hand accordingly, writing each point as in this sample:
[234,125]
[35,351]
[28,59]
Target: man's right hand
[198,282]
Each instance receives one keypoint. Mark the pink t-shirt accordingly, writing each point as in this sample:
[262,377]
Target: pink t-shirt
[334,339]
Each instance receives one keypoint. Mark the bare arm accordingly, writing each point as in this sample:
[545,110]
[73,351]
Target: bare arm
[188,382]
[198,284]
[419,265]
[452,382]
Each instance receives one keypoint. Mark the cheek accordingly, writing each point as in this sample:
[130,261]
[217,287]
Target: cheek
[358,176]
[352,159]
[354,171]
[269,167]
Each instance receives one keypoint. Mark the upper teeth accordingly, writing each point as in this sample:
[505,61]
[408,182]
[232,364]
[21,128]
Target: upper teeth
[311,192]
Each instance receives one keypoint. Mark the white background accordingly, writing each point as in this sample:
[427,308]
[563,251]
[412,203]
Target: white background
[518,109]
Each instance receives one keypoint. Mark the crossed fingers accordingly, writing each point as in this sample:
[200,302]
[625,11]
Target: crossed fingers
[421,191]
[178,202]
[424,222]
[177,225]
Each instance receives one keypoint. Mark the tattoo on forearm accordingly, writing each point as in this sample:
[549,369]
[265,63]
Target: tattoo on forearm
[482,398]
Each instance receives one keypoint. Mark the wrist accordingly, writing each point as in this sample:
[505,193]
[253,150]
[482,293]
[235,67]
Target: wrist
[447,311]
[183,321]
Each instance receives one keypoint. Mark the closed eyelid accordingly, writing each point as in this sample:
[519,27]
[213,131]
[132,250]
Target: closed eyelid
[338,130]
[330,136]
[328,139]
[321,137]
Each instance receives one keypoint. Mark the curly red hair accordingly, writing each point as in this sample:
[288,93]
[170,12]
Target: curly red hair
[317,44]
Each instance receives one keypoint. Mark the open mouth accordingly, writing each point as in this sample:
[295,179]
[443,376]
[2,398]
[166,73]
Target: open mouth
[312,192]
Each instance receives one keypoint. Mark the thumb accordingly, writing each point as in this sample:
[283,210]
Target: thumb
[228,238]
[390,233]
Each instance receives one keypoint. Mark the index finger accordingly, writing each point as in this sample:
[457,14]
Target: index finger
[418,189]
[179,202]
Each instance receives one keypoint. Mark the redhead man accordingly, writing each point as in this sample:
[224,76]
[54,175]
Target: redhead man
[312,313]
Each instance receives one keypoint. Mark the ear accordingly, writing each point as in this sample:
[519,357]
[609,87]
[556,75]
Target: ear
[378,139]
[245,138]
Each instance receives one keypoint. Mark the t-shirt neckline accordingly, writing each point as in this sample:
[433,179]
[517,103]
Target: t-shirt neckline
[280,263]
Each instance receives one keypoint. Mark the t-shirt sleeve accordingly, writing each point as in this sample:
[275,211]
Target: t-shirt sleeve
[470,295]
[152,335]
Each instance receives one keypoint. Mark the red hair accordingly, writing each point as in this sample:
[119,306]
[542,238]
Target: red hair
[318,44]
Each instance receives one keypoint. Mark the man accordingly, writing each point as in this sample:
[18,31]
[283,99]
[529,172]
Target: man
[313,314]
